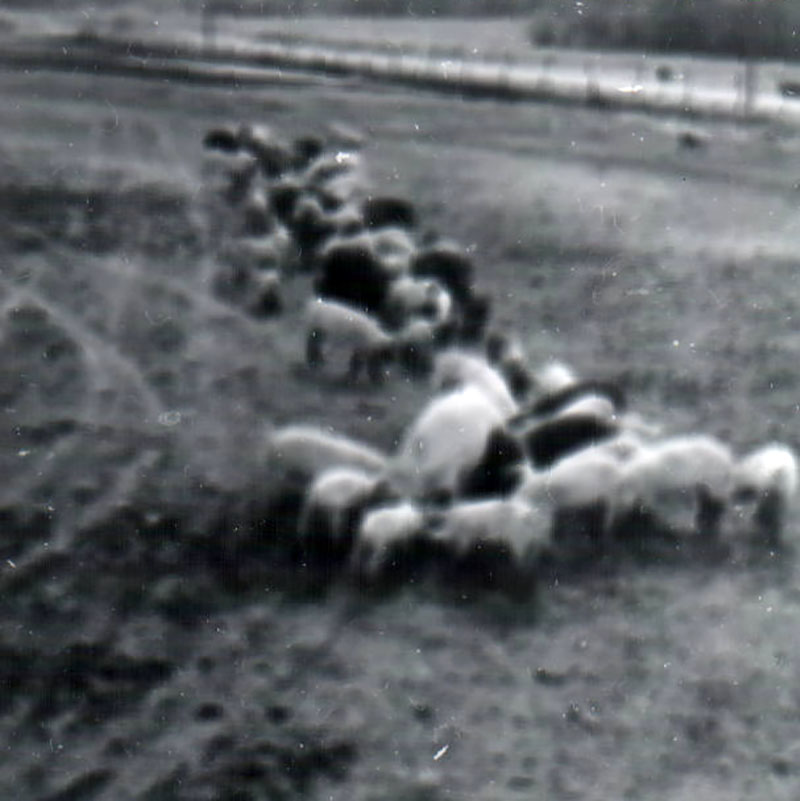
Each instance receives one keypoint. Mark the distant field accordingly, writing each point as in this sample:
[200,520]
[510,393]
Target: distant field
[138,663]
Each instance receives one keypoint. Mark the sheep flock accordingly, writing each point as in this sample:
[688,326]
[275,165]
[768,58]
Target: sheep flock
[510,467]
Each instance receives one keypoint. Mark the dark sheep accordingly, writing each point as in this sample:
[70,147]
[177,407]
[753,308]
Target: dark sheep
[475,315]
[224,139]
[388,212]
[283,198]
[553,439]
[306,149]
[499,471]
[450,266]
[556,401]
[352,273]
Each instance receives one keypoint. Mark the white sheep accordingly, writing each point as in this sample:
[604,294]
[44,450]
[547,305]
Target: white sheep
[336,327]
[298,453]
[455,368]
[511,523]
[682,484]
[386,534]
[332,504]
[765,483]
[410,298]
[554,376]
[445,444]
[578,495]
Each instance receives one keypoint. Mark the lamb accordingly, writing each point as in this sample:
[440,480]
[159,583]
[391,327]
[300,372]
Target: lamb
[332,509]
[409,297]
[585,421]
[579,497]
[681,486]
[444,445]
[298,453]
[388,212]
[510,523]
[388,539]
[455,367]
[265,298]
[351,272]
[274,156]
[333,325]
[446,262]
[765,483]
[554,377]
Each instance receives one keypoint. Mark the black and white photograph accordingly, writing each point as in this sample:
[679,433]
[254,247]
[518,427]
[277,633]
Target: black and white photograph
[399,400]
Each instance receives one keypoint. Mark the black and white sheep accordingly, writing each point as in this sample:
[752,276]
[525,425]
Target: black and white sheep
[444,445]
[336,328]
[411,298]
[450,265]
[765,484]
[333,507]
[390,538]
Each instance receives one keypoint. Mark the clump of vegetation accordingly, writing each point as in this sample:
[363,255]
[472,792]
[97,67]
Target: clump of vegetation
[742,28]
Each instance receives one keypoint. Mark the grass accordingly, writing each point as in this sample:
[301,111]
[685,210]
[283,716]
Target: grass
[127,384]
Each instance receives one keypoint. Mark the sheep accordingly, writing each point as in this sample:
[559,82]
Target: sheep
[579,496]
[351,272]
[273,156]
[272,251]
[415,345]
[448,263]
[586,420]
[311,227]
[284,195]
[329,166]
[332,508]
[388,212]
[409,297]
[554,377]
[455,367]
[474,313]
[225,139]
[679,486]
[765,482]
[553,402]
[306,149]
[298,453]
[230,173]
[444,445]
[388,540]
[332,324]
[265,299]
[257,218]
[507,535]
[508,356]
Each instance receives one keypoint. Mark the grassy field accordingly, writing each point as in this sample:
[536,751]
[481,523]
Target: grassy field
[143,656]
